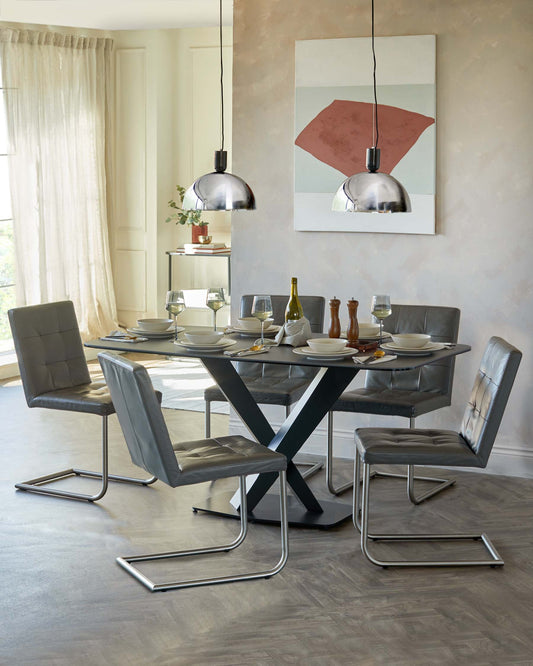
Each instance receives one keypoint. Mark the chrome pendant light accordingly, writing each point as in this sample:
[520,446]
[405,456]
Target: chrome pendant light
[219,190]
[370,191]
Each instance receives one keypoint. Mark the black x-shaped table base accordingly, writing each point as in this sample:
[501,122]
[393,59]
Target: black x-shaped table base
[304,508]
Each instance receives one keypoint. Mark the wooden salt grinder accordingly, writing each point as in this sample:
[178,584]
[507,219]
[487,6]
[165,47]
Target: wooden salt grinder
[335,326]
[353,327]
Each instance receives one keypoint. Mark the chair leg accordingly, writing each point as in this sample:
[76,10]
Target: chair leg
[362,526]
[36,485]
[207,419]
[329,462]
[411,478]
[126,562]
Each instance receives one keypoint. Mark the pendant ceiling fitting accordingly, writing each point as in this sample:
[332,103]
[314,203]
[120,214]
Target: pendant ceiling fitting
[219,190]
[371,191]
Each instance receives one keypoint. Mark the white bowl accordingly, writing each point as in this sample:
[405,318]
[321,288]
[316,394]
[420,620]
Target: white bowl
[154,325]
[327,345]
[411,340]
[203,337]
[368,330]
[252,324]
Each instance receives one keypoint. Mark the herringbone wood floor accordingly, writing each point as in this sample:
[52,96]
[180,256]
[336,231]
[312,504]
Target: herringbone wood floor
[65,602]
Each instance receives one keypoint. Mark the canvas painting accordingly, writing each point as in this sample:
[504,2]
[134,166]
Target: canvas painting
[334,127]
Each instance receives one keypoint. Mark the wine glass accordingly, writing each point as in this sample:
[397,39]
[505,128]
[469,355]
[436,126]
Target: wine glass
[381,309]
[262,309]
[175,305]
[215,299]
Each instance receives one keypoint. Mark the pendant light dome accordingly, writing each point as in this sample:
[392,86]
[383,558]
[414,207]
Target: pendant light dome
[219,190]
[370,191]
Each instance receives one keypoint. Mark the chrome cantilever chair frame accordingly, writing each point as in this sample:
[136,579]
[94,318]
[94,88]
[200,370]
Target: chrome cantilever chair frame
[404,397]
[362,508]
[470,447]
[55,375]
[36,485]
[128,562]
[292,381]
[187,463]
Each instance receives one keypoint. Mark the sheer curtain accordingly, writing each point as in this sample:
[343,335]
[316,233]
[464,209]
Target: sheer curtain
[57,106]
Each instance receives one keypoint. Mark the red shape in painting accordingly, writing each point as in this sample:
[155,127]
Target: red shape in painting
[340,134]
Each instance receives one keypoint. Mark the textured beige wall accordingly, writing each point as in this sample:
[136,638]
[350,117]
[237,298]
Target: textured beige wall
[480,259]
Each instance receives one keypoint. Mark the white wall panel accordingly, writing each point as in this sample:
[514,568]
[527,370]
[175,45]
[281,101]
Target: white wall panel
[130,142]
[131,292]
[129,227]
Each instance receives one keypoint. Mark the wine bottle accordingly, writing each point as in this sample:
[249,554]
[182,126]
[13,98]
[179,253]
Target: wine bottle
[294,308]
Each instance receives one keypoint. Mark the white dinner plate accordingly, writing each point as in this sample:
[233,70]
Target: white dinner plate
[426,350]
[368,337]
[154,334]
[221,344]
[269,332]
[323,356]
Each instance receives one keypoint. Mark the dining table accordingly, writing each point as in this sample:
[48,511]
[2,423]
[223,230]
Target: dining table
[331,379]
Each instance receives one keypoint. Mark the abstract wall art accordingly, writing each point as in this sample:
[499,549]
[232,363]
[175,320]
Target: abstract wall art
[333,128]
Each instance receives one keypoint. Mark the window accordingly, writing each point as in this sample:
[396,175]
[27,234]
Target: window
[7,246]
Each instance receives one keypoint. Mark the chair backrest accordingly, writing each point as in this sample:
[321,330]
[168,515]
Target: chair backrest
[489,396]
[442,323]
[140,417]
[313,307]
[49,348]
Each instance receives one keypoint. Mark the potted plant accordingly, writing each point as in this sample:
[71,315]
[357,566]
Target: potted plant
[191,217]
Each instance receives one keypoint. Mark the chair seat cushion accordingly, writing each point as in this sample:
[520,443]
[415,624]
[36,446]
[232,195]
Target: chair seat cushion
[222,457]
[390,402]
[267,390]
[93,398]
[414,446]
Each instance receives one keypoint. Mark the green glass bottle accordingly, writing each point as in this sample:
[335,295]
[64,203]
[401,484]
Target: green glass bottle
[294,308]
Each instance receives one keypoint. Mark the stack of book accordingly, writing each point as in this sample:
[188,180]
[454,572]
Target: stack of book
[205,248]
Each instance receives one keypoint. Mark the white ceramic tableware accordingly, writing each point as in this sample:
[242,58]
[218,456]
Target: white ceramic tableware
[368,329]
[154,335]
[252,324]
[327,356]
[327,345]
[198,337]
[411,340]
[154,325]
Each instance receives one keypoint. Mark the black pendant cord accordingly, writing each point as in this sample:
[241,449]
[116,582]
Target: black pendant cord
[221,77]
[375,135]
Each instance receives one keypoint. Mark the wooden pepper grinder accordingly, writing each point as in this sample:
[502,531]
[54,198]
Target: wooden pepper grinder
[335,326]
[353,327]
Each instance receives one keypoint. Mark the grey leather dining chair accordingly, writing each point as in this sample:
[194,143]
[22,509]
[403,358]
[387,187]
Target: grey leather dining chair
[55,375]
[186,463]
[274,384]
[404,393]
[470,447]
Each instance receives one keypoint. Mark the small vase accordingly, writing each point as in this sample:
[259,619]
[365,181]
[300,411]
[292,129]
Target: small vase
[198,230]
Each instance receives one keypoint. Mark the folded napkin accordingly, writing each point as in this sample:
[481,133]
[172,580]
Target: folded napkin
[370,360]
[295,333]
[121,336]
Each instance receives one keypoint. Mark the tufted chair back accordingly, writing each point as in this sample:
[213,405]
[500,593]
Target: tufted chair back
[49,348]
[313,307]
[442,323]
[489,396]
[140,417]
